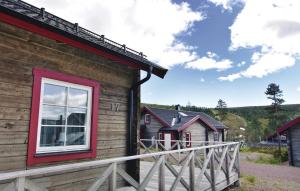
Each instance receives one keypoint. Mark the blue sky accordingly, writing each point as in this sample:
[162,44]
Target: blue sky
[214,49]
[203,88]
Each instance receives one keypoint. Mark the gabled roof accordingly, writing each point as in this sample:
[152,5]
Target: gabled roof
[289,124]
[165,117]
[31,18]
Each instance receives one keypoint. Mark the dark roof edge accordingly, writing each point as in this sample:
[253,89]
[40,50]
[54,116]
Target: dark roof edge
[148,110]
[193,120]
[43,19]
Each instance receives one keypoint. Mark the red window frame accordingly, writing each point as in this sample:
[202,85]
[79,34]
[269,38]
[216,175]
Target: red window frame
[32,157]
[188,138]
[147,119]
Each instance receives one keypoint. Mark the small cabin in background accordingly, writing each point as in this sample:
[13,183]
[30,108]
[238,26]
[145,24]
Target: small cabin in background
[67,95]
[292,132]
[165,124]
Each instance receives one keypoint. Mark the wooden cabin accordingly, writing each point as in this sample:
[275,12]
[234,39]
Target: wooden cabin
[292,131]
[65,96]
[165,124]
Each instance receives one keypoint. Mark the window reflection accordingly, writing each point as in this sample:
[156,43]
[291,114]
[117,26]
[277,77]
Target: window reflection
[75,136]
[53,115]
[76,116]
[77,98]
[54,94]
[52,136]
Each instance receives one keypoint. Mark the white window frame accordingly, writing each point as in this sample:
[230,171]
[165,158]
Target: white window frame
[147,122]
[188,138]
[53,149]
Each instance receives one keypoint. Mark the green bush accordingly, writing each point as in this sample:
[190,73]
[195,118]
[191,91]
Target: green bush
[250,178]
[283,155]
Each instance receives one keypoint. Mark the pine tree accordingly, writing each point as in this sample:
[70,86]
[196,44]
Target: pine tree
[222,109]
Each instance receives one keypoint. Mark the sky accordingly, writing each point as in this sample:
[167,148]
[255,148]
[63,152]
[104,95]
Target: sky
[214,49]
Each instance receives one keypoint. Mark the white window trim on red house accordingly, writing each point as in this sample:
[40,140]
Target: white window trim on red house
[147,119]
[36,154]
[188,138]
[87,126]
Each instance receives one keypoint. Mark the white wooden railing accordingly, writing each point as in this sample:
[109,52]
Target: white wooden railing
[212,160]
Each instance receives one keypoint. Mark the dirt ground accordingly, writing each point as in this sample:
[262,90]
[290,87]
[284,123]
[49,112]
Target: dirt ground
[265,177]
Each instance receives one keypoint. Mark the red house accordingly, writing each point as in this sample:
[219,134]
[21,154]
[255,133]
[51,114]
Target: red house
[66,95]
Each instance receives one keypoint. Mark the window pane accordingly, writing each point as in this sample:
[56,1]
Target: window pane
[75,136]
[52,136]
[53,115]
[54,94]
[77,98]
[76,116]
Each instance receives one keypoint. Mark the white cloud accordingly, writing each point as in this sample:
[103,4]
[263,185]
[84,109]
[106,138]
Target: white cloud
[272,27]
[241,64]
[230,77]
[298,89]
[149,26]
[209,62]
[226,4]
[202,80]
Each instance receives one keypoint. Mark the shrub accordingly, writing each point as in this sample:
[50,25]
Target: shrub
[283,155]
[250,179]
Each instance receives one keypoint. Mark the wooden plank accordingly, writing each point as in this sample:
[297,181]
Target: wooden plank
[10,187]
[20,184]
[212,171]
[128,178]
[161,184]
[100,180]
[221,161]
[192,172]
[29,185]
[154,168]
[179,176]
[113,178]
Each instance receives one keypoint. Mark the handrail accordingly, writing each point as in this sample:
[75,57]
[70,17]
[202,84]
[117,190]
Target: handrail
[66,167]
[161,140]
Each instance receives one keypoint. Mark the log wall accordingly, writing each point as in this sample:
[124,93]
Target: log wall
[20,52]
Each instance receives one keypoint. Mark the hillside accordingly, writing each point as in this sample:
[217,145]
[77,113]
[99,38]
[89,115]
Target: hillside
[256,120]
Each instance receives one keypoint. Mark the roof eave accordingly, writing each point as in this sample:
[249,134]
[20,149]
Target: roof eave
[20,21]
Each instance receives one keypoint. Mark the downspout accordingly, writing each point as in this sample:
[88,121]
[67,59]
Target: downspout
[132,165]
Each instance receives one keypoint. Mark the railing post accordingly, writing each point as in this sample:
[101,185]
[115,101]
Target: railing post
[113,178]
[156,145]
[178,148]
[192,172]
[21,184]
[227,166]
[212,171]
[161,177]
[238,160]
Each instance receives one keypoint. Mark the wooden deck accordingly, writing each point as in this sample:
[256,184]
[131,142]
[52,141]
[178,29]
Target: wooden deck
[221,183]
[212,167]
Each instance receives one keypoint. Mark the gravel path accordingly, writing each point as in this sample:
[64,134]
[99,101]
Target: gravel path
[268,177]
[278,172]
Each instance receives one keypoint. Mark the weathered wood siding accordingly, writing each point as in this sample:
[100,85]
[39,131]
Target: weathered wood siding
[20,51]
[294,136]
[197,131]
[150,130]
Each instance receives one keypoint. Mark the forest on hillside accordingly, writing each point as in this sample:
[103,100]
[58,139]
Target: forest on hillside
[254,123]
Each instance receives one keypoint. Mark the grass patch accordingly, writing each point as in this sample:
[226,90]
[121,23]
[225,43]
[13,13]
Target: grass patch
[267,160]
[251,179]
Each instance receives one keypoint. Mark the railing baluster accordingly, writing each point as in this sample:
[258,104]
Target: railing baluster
[192,172]
[212,171]
[162,175]
[227,166]
[113,178]
[21,184]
